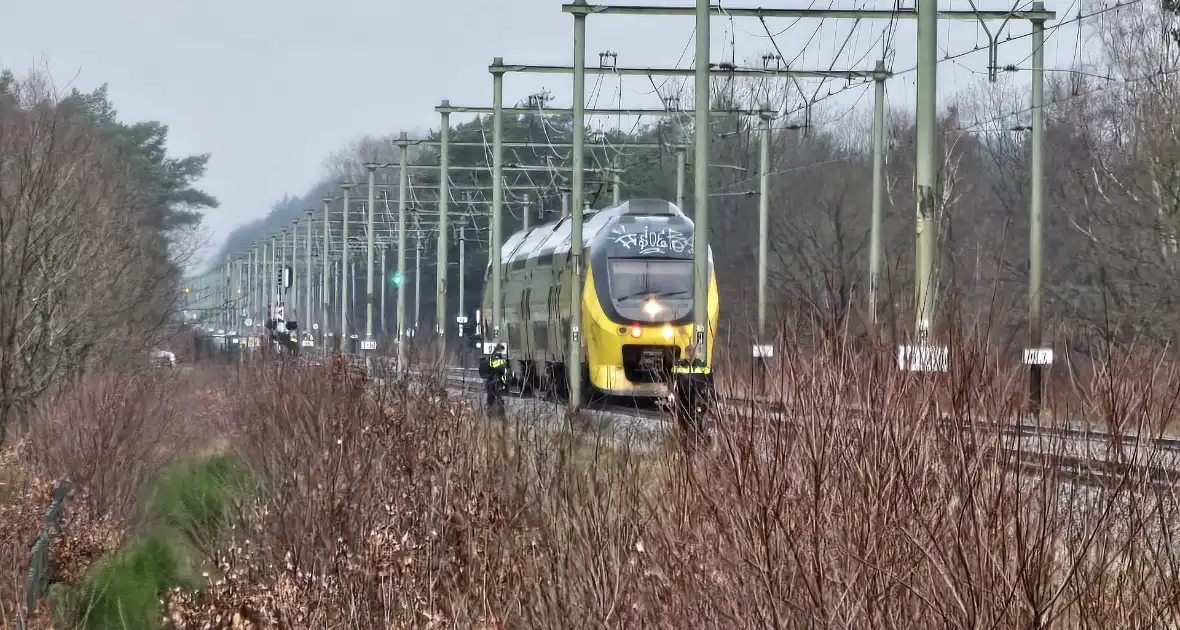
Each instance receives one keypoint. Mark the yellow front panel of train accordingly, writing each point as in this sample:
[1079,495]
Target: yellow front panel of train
[605,339]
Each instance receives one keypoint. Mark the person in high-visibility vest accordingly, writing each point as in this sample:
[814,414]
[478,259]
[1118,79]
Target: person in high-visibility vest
[497,374]
[692,388]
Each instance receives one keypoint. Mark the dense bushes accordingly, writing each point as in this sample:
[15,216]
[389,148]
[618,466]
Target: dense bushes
[312,502]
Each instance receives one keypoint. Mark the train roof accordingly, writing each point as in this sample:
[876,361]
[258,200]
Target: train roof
[553,238]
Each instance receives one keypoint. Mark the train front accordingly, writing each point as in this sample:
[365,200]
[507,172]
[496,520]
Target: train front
[640,308]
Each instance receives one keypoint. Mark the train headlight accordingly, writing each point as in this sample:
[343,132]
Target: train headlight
[668,332]
[635,331]
[651,307]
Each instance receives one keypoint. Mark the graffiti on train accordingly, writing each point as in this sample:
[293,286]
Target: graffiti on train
[648,241]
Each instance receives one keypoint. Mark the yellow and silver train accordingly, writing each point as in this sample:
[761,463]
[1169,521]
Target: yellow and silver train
[637,306]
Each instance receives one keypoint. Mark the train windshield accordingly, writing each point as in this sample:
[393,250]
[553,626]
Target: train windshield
[638,279]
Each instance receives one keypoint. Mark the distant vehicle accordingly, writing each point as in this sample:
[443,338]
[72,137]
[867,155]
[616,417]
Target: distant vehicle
[163,358]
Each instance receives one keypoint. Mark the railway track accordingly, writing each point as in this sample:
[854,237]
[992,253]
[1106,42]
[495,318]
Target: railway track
[476,386]
[1072,468]
[1086,471]
[740,404]
[1009,429]
[1091,472]
[1042,431]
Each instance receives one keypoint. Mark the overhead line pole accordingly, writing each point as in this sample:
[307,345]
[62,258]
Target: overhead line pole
[384,284]
[370,244]
[926,179]
[325,296]
[345,271]
[462,275]
[417,280]
[700,196]
[335,300]
[294,293]
[1036,357]
[265,278]
[283,272]
[227,273]
[762,349]
[273,280]
[878,193]
[254,292]
[402,143]
[235,265]
[307,281]
[444,194]
[498,200]
[293,290]
[573,364]
[239,265]
[243,307]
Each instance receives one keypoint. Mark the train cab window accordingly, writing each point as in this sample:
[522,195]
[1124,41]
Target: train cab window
[638,278]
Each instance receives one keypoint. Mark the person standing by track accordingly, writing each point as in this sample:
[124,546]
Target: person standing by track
[692,390]
[496,378]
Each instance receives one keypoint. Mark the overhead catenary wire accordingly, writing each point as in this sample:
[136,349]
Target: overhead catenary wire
[950,58]
[974,127]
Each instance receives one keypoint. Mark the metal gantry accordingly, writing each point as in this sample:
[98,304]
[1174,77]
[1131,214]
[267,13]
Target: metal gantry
[924,356]
[250,287]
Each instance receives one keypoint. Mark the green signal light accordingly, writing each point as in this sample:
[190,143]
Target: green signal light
[397,279]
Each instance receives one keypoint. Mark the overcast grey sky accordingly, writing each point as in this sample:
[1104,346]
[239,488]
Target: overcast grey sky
[271,88]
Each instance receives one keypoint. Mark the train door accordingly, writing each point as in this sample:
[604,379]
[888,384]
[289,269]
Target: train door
[554,317]
[528,344]
[554,372]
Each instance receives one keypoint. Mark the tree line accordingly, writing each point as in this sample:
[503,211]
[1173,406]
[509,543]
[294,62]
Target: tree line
[96,223]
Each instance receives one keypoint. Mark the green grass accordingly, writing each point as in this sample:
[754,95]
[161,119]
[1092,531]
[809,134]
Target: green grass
[124,590]
[187,509]
[194,500]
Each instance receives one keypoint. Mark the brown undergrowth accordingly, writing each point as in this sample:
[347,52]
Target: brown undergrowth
[108,435]
[394,505]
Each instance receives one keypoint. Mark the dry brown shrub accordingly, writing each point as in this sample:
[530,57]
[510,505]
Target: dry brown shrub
[114,431]
[107,434]
[859,508]
[390,505]
[887,515]
[22,506]
[396,506]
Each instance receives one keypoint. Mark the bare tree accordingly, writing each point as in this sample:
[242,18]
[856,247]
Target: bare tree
[80,280]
